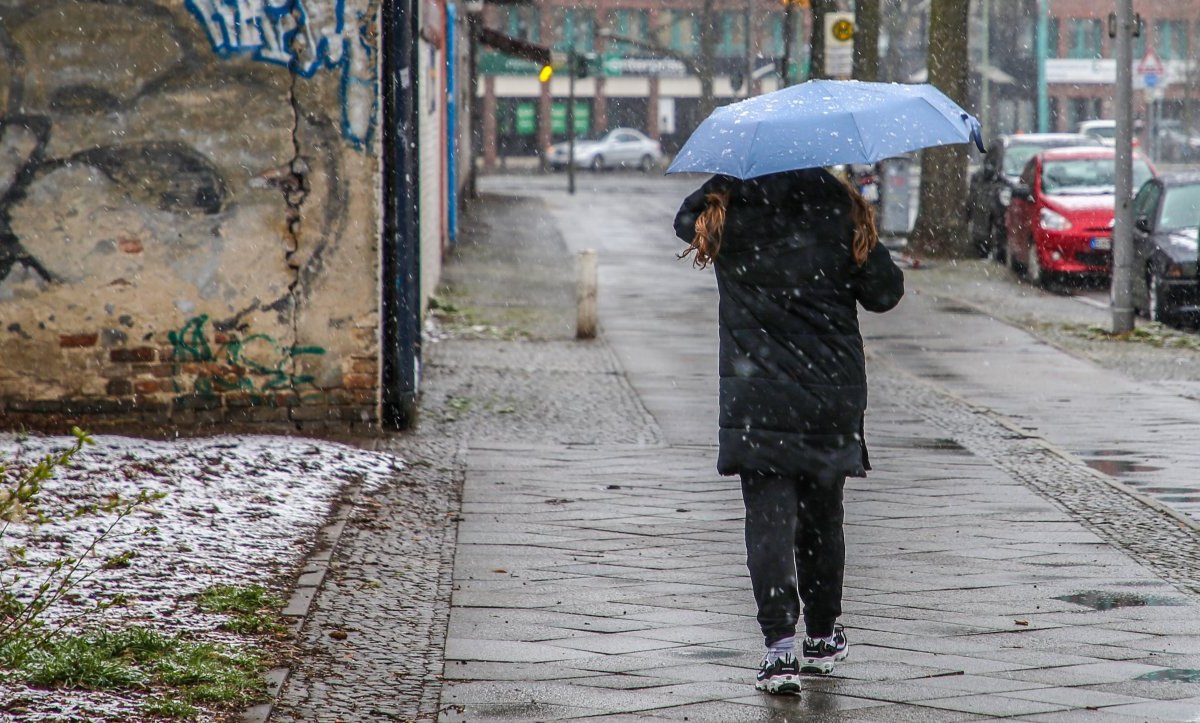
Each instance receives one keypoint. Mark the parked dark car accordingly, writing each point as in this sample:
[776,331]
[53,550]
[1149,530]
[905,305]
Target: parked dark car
[991,186]
[1166,217]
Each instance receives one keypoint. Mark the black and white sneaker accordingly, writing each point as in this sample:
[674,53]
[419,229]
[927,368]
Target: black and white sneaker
[779,677]
[819,655]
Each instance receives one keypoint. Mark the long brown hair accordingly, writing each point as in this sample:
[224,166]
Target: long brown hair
[710,226]
[866,234]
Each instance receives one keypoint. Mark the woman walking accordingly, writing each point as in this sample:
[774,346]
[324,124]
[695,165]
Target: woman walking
[794,254]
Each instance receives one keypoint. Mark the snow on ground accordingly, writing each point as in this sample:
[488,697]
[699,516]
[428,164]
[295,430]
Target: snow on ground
[238,511]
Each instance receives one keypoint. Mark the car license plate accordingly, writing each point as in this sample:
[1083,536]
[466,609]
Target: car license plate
[1102,243]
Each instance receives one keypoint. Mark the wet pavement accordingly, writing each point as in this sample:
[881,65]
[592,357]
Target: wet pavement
[597,569]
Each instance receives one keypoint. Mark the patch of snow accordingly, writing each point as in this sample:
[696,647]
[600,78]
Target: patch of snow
[238,510]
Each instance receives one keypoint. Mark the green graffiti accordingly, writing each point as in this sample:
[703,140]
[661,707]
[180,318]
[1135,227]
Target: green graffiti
[255,363]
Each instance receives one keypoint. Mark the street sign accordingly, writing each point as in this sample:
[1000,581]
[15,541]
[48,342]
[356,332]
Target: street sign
[1150,64]
[839,44]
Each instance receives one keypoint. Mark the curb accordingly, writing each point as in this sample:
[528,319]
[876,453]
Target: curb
[304,592]
[1047,445]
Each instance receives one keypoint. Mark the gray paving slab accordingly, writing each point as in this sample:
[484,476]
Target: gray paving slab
[958,549]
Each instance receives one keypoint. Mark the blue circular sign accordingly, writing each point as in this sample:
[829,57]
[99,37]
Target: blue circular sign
[1150,80]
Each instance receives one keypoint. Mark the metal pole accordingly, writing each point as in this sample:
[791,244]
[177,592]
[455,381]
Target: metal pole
[789,25]
[1043,99]
[749,58]
[572,69]
[984,81]
[1122,267]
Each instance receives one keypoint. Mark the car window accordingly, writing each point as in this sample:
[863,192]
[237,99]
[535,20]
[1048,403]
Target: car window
[627,138]
[1017,156]
[1085,176]
[1145,201]
[1181,208]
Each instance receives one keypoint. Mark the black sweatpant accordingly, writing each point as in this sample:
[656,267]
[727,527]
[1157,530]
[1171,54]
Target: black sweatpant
[796,551]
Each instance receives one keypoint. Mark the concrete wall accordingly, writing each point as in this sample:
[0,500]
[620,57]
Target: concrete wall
[431,87]
[189,212]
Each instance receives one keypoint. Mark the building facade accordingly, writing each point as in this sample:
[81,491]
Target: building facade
[1081,65]
[198,216]
[637,79]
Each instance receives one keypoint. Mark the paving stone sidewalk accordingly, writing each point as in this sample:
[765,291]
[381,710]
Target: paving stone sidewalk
[606,579]
[597,566]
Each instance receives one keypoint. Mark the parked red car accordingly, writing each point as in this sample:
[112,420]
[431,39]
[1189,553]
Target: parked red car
[1060,218]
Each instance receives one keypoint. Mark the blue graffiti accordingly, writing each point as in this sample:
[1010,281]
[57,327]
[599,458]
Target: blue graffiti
[303,36]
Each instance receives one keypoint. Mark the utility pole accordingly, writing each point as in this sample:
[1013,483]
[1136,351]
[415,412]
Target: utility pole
[789,29]
[1122,242]
[1043,99]
[985,87]
[572,70]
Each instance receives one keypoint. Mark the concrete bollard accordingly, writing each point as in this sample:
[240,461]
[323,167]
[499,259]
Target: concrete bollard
[585,295]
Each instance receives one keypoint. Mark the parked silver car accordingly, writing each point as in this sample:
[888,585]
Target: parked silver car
[618,147]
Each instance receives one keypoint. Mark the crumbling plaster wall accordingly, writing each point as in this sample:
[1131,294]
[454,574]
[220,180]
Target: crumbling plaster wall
[188,211]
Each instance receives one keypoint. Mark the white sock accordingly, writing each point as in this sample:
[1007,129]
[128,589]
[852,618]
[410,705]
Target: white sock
[780,648]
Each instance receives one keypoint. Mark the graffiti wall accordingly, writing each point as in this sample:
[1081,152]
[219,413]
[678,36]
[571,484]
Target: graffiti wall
[188,210]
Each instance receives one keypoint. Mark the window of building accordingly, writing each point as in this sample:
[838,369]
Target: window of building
[1053,32]
[1171,39]
[1084,39]
[731,38]
[575,28]
[773,36]
[629,24]
[521,22]
[679,31]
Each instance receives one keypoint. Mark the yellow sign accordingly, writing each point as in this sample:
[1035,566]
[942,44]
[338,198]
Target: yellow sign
[804,4]
[545,73]
[843,30]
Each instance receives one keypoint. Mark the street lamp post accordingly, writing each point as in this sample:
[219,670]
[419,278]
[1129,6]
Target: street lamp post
[572,69]
[1043,99]
[1122,242]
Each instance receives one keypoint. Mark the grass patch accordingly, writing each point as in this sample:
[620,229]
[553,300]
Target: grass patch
[177,671]
[1154,334]
[252,610]
[463,320]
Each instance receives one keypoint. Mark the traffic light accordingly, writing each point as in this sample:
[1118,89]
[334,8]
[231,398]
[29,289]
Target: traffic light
[584,64]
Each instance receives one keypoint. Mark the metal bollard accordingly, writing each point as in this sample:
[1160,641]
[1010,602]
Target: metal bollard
[585,295]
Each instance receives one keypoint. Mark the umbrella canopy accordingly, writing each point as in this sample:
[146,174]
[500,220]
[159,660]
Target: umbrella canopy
[824,123]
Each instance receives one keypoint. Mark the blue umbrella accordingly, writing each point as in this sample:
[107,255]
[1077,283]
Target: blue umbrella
[823,123]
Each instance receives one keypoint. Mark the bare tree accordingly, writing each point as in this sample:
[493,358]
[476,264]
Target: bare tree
[939,228]
[866,40]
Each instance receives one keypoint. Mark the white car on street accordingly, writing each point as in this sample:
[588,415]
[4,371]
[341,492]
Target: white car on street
[618,147]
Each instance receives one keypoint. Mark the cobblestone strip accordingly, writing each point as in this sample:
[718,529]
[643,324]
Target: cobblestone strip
[1152,534]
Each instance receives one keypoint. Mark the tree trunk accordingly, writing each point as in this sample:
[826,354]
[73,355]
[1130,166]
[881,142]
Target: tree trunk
[939,229]
[816,65]
[866,40]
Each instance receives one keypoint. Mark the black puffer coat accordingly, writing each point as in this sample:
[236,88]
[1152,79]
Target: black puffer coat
[793,374]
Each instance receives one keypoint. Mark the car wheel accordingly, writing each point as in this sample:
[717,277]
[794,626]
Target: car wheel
[1157,306]
[1033,266]
[598,163]
[646,164]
